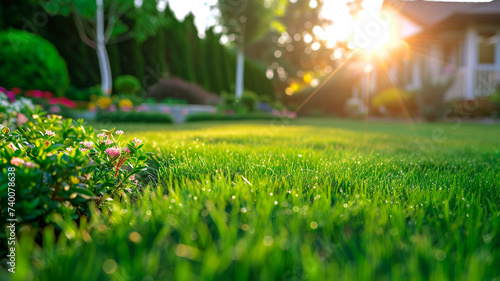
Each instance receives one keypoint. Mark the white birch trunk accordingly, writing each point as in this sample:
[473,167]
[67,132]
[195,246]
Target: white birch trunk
[240,69]
[102,54]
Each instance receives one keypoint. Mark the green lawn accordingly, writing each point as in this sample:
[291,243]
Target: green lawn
[309,200]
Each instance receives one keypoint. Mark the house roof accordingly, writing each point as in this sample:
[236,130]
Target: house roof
[430,13]
[435,16]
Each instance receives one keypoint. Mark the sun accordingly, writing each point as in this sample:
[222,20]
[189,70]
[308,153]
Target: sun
[366,31]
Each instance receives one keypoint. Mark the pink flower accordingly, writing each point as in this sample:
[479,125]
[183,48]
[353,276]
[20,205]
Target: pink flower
[11,96]
[132,177]
[21,119]
[126,150]
[30,164]
[102,135]
[108,142]
[49,133]
[166,110]
[16,161]
[69,149]
[141,108]
[112,108]
[137,142]
[83,149]
[126,108]
[87,144]
[119,132]
[55,108]
[113,152]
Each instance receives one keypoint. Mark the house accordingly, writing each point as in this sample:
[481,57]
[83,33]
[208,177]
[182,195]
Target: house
[437,40]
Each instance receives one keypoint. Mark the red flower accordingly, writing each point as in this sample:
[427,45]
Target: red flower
[47,94]
[34,93]
[16,90]
[67,102]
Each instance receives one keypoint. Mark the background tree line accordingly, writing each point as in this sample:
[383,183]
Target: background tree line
[175,49]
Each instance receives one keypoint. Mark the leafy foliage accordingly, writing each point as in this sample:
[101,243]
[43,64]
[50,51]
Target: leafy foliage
[249,20]
[31,62]
[431,96]
[315,200]
[127,84]
[133,116]
[179,89]
[228,117]
[14,112]
[146,18]
[495,99]
[250,100]
[61,166]
[394,101]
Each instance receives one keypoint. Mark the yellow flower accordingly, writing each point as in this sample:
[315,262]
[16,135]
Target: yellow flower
[104,102]
[91,105]
[125,103]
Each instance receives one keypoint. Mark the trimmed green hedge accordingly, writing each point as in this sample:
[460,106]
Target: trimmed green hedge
[30,62]
[223,117]
[132,116]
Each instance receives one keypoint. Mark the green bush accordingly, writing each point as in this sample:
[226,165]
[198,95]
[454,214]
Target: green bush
[133,116]
[127,84]
[430,98]
[224,117]
[228,99]
[495,100]
[394,100]
[172,101]
[249,99]
[30,62]
[57,166]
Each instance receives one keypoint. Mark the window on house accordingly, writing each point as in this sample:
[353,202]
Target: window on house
[487,45]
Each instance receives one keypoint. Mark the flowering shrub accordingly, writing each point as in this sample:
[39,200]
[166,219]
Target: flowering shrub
[121,102]
[45,99]
[14,112]
[61,166]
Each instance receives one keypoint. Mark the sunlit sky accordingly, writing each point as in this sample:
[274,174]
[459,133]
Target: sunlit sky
[335,10]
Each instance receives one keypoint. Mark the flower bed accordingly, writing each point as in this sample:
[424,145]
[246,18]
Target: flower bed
[61,166]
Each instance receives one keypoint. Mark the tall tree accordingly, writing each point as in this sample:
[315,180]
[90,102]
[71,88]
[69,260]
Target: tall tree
[101,22]
[246,21]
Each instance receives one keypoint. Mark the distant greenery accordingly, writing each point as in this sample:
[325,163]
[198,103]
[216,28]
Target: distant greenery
[127,84]
[315,200]
[250,100]
[30,62]
[133,116]
[495,99]
[228,117]
[394,101]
